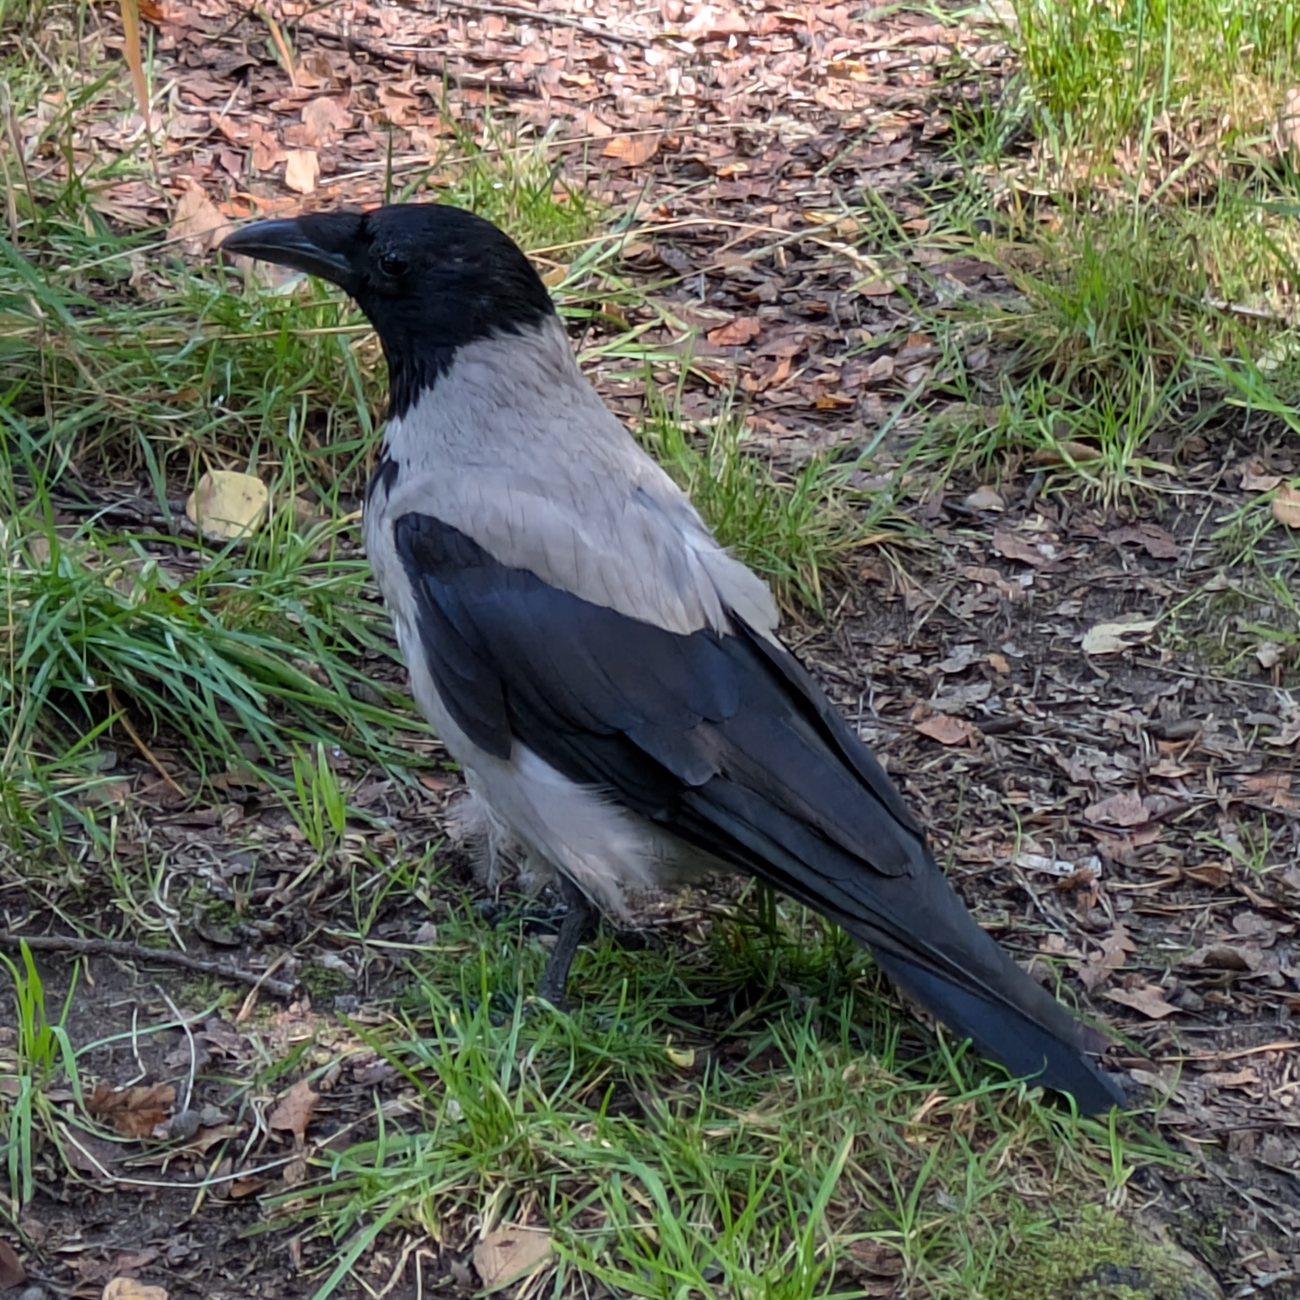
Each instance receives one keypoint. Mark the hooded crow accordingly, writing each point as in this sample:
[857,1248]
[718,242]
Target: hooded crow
[608,676]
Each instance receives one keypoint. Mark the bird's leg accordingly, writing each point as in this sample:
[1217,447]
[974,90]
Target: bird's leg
[572,929]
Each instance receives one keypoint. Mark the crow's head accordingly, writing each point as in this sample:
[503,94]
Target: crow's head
[430,278]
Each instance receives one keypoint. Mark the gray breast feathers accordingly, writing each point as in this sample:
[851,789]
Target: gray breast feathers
[518,452]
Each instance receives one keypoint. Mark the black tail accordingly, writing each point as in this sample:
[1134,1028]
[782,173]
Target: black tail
[812,813]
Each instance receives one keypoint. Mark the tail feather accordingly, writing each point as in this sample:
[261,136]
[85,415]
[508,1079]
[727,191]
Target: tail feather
[1008,1033]
[919,931]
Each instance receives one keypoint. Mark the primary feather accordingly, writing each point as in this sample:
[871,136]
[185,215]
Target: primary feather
[607,674]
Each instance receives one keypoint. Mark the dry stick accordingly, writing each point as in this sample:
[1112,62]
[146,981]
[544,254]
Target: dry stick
[137,952]
[382,50]
[142,747]
[550,20]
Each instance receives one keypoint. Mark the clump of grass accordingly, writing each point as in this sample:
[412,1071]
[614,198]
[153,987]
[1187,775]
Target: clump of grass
[1127,324]
[507,173]
[43,1050]
[1102,72]
[701,1127]
[230,659]
[796,528]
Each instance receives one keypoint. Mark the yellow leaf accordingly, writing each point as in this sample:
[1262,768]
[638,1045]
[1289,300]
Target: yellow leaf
[1286,507]
[127,1288]
[948,730]
[682,1057]
[226,504]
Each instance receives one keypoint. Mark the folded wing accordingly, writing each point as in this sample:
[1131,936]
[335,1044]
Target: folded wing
[724,739]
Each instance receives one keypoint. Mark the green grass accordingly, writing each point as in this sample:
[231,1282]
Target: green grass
[1146,277]
[735,1118]
[43,1055]
[1157,75]
[796,528]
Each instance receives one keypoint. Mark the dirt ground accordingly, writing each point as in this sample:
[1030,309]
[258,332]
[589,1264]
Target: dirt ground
[1153,778]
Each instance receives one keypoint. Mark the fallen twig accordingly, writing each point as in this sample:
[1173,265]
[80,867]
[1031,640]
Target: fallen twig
[352,42]
[142,747]
[137,952]
[584,25]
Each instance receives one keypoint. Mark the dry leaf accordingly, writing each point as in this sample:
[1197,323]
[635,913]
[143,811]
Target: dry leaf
[1256,478]
[1286,506]
[505,1254]
[766,375]
[1227,956]
[401,104]
[1100,965]
[985,498]
[1157,543]
[735,332]
[197,222]
[301,170]
[875,1257]
[1065,452]
[12,1272]
[948,730]
[633,150]
[1290,732]
[1125,809]
[713,23]
[127,1288]
[323,119]
[1146,998]
[227,504]
[206,1138]
[1015,547]
[295,1110]
[1112,638]
[91,1155]
[268,152]
[1269,653]
[135,1112]
[1214,874]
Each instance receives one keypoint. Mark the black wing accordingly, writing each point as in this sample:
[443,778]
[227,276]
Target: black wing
[726,741]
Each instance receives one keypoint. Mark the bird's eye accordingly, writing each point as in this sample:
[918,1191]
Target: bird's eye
[392,264]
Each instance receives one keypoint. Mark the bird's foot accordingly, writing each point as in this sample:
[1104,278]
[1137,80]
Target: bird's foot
[573,929]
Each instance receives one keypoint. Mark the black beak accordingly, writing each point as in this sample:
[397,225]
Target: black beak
[325,244]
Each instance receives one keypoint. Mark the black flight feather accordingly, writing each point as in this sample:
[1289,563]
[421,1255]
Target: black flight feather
[725,740]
